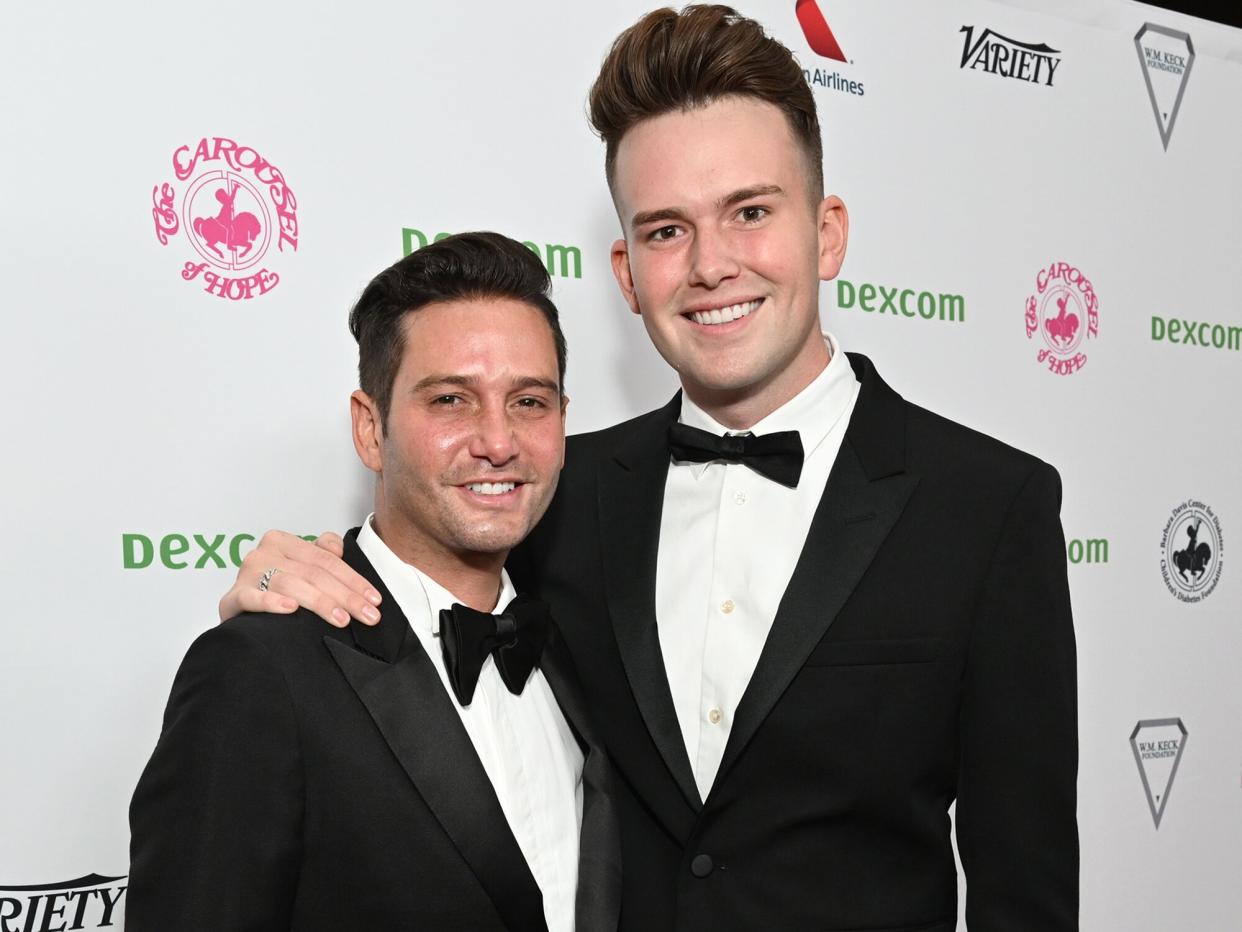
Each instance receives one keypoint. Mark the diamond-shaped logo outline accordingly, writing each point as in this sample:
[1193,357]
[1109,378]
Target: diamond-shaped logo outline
[1165,133]
[1157,811]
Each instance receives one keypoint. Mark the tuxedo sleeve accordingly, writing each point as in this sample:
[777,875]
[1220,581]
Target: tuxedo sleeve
[216,818]
[1017,829]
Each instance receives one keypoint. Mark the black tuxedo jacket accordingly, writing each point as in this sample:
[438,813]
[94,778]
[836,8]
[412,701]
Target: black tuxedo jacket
[922,653]
[309,778]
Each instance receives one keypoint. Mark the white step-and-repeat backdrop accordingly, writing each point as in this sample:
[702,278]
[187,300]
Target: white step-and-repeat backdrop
[1045,201]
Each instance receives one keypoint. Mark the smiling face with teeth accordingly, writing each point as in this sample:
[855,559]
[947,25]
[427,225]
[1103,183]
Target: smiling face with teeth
[724,250]
[469,453]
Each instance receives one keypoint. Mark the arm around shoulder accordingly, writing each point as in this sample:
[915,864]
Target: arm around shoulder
[1017,827]
[216,819]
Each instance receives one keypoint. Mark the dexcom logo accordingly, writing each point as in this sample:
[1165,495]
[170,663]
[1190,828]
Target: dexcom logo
[904,302]
[182,551]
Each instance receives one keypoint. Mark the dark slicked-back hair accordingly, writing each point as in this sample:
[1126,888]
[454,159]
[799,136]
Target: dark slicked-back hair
[467,266]
[671,61]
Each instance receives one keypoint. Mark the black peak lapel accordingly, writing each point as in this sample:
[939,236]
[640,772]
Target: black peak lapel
[631,496]
[598,900]
[384,640]
[562,676]
[396,681]
[865,494]
[877,428]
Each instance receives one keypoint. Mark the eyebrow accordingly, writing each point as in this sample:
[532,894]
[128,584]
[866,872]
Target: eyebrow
[469,381]
[642,218]
[745,194]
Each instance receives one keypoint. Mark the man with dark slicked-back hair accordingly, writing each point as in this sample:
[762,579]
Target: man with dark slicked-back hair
[436,771]
[811,615]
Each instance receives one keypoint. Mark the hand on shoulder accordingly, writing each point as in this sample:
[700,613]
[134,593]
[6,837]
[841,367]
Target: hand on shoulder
[310,575]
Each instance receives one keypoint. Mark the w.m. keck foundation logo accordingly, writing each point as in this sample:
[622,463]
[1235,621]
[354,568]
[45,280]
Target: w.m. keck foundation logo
[1158,744]
[1166,56]
[234,207]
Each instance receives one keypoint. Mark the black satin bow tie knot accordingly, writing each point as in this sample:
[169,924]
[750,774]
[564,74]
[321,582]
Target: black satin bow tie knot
[515,639]
[777,456]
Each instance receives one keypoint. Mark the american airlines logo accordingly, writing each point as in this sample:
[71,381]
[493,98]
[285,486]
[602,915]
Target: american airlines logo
[817,31]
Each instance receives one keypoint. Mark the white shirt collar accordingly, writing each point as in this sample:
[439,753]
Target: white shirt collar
[419,596]
[813,412]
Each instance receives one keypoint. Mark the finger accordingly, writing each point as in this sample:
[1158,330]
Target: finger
[311,597]
[331,542]
[286,552]
[330,563]
[334,590]
[326,591]
[241,599]
[273,548]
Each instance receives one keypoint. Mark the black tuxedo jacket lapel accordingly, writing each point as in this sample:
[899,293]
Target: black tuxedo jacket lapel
[598,901]
[631,497]
[865,494]
[395,679]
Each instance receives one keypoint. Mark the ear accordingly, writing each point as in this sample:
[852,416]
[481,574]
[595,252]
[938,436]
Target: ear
[625,277]
[833,223]
[368,431]
[564,408]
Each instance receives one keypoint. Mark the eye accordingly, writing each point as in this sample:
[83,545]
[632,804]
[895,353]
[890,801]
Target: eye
[446,400]
[531,403]
[663,234]
[752,214]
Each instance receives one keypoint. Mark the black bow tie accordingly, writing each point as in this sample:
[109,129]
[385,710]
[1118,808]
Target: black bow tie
[515,639]
[777,456]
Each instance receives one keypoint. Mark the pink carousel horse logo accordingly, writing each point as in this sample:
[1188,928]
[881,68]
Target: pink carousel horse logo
[236,232]
[236,206]
[1064,299]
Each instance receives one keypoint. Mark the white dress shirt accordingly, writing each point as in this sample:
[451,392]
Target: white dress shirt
[523,742]
[729,541]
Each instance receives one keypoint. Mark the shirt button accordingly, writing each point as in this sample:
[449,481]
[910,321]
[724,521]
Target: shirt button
[739,497]
[714,716]
[702,865]
[727,606]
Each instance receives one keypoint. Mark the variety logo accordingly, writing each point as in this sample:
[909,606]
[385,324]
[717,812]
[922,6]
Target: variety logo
[1166,56]
[1192,551]
[904,302]
[1009,58]
[1158,744]
[234,207]
[1065,313]
[820,38]
[85,903]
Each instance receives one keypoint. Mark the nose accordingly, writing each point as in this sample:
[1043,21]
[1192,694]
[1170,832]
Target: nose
[711,258]
[494,438]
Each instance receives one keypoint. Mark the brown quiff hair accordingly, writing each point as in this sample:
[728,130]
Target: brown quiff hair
[671,61]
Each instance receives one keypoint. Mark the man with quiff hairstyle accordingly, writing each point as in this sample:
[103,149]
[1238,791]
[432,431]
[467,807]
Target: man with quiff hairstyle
[803,646]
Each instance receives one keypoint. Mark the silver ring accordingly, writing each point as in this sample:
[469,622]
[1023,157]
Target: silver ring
[266,579]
